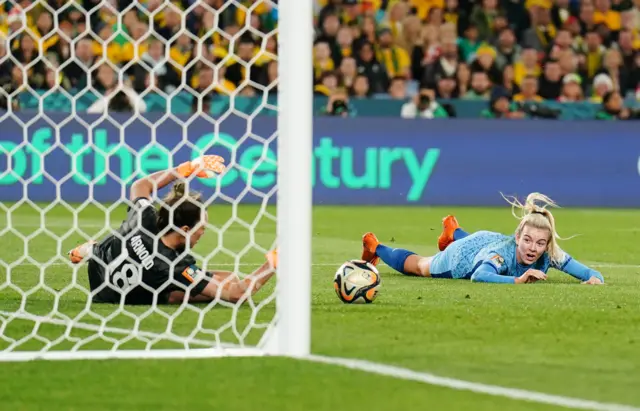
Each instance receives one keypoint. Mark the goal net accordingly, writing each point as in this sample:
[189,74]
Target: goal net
[98,94]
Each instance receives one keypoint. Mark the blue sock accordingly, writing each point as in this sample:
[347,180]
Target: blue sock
[459,234]
[393,257]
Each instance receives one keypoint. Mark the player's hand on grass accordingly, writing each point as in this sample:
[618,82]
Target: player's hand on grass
[203,167]
[531,276]
[593,280]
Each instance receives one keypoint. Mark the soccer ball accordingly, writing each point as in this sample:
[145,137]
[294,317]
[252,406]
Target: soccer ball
[357,281]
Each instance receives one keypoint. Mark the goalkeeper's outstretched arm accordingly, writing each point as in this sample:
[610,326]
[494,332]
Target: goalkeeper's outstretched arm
[222,285]
[205,167]
[226,286]
[144,187]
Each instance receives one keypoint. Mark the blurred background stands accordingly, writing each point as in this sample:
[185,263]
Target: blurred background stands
[371,57]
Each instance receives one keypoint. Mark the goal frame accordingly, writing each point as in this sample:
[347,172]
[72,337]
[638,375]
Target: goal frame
[289,334]
[295,146]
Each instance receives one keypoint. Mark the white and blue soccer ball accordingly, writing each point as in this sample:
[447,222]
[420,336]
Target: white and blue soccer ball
[357,281]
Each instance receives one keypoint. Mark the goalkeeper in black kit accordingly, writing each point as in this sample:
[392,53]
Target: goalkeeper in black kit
[147,260]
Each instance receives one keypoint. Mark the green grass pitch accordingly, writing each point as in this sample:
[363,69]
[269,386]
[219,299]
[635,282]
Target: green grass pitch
[557,337]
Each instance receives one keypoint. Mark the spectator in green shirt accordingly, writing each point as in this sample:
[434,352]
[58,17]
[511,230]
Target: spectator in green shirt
[613,109]
[469,43]
[480,87]
[501,106]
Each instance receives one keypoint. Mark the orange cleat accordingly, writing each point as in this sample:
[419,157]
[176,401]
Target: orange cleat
[272,258]
[369,245]
[81,252]
[449,225]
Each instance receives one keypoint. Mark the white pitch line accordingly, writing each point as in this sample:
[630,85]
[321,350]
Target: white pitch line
[614,265]
[496,390]
[354,364]
[427,378]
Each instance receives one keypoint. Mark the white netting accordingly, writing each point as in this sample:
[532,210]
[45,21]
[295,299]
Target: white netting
[96,94]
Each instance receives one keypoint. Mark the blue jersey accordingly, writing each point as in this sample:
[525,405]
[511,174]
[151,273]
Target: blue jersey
[502,257]
[491,257]
[458,260]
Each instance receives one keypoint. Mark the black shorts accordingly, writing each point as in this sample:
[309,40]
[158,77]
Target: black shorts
[99,281]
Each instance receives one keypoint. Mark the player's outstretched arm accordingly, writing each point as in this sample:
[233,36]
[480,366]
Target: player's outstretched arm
[226,285]
[487,272]
[581,272]
[232,289]
[204,167]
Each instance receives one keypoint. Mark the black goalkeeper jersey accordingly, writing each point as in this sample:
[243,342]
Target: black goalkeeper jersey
[135,263]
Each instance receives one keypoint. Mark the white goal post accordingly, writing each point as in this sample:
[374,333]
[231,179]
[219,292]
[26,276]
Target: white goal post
[59,171]
[295,125]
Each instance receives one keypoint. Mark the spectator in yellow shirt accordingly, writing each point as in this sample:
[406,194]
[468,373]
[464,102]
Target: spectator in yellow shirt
[485,60]
[591,62]
[352,10]
[397,11]
[261,8]
[180,53]
[44,30]
[528,90]
[344,41]
[168,22]
[102,47]
[542,31]
[604,14]
[4,24]
[204,81]
[322,60]
[327,84]
[243,66]
[131,51]
[527,66]
[395,59]
[454,14]
[423,7]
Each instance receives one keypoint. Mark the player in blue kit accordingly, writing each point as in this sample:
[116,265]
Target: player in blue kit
[487,256]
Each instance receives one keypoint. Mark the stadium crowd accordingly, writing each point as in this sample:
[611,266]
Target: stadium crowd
[504,52]
[423,51]
[37,44]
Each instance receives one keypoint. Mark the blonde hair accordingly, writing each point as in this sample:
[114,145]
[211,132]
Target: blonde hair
[535,213]
[411,32]
[401,6]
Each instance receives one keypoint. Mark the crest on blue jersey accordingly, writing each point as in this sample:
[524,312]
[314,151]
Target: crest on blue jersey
[498,260]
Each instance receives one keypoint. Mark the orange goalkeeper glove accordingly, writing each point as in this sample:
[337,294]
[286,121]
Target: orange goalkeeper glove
[203,167]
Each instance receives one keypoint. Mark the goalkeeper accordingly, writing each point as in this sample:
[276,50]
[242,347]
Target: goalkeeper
[147,260]
[490,257]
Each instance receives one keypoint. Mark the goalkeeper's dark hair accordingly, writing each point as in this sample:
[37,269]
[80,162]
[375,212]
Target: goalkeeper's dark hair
[179,208]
